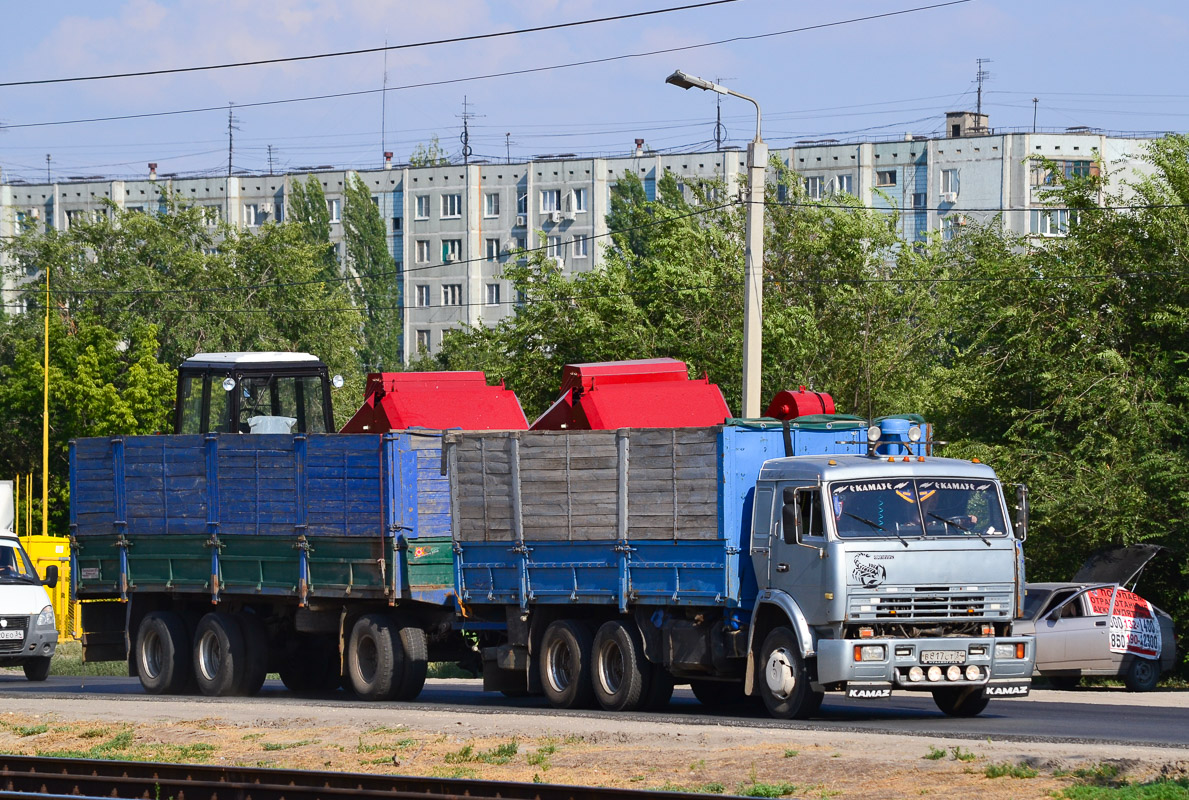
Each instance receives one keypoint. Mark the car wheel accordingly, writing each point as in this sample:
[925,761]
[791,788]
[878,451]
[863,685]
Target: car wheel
[1142,675]
[783,679]
[566,650]
[960,701]
[37,669]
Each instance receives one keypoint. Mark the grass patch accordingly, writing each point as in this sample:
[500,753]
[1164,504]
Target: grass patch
[934,754]
[453,772]
[1009,771]
[697,788]
[760,789]
[68,660]
[30,730]
[273,746]
[1101,774]
[500,754]
[448,669]
[540,758]
[791,753]
[379,730]
[1161,789]
[251,737]
[962,755]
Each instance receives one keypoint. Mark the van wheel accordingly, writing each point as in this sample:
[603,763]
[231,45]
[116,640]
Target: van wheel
[219,655]
[566,651]
[783,679]
[162,653]
[961,701]
[255,653]
[373,664]
[1142,675]
[37,669]
[621,673]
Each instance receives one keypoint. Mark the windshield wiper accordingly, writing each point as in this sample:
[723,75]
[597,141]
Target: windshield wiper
[961,527]
[877,526]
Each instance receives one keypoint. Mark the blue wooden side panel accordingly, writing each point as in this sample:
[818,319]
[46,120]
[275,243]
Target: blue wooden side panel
[347,492]
[92,490]
[433,488]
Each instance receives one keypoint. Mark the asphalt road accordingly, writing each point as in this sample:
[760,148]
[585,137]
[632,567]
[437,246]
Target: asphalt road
[1089,715]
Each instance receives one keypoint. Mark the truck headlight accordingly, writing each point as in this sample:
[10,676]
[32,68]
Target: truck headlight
[870,652]
[46,618]
[1009,650]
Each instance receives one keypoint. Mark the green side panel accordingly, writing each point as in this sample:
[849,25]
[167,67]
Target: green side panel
[346,565]
[430,562]
[98,560]
[258,565]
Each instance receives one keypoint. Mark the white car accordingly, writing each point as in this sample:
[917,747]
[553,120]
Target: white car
[28,634]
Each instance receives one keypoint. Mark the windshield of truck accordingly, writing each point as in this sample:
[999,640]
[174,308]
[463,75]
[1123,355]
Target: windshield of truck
[15,566]
[916,507]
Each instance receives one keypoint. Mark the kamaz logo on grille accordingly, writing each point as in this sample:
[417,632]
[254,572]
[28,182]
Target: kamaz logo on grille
[868,693]
[1006,691]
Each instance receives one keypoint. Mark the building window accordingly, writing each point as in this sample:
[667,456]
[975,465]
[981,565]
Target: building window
[422,211]
[73,217]
[422,251]
[492,249]
[212,215]
[550,200]
[522,203]
[845,184]
[813,188]
[251,214]
[949,227]
[580,246]
[578,201]
[452,294]
[1051,221]
[491,204]
[451,206]
[451,250]
[422,299]
[521,246]
[493,294]
[919,200]
[554,247]
[335,207]
[396,224]
[949,181]
[279,214]
[422,340]
[885,177]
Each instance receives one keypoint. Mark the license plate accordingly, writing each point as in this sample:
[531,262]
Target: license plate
[943,656]
[12,634]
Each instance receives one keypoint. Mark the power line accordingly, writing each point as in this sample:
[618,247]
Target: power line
[385,49]
[488,76]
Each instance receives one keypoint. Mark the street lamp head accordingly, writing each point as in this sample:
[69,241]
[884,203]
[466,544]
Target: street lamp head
[683,81]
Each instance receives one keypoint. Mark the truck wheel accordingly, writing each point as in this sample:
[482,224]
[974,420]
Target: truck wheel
[374,667]
[660,689]
[621,673]
[255,653]
[414,654]
[784,681]
[961,701]
[219,655]
[718,694]
[313,667]
[1142,675]
[163,653]
[565,664]
[37,669]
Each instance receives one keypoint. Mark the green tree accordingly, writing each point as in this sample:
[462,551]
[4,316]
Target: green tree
[429,155]
[309,210]
[377,285]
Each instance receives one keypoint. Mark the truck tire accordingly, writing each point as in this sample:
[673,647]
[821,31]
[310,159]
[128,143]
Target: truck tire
[162,653]
[314,667]
[414,655]
[621,673]
[220,658]
[718,694]
[255,653]
[374,667]
[961,701]
[1142,675]
[783,679]
[566,649]
[37,669]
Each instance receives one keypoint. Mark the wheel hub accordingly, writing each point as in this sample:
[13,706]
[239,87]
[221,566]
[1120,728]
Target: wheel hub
[779,674]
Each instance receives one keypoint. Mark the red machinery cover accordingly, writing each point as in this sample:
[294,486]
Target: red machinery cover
[645,393]
[398,400]
[790,405]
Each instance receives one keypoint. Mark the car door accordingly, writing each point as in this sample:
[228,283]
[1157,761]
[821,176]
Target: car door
[1077,634]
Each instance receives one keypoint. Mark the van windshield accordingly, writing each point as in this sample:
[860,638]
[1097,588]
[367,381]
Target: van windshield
[917,507]
[15,566]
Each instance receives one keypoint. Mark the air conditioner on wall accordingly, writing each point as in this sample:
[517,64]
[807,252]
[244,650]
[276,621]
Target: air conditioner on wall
[555,216]
[570,215]
[949,197]
[266,208]
[520,221]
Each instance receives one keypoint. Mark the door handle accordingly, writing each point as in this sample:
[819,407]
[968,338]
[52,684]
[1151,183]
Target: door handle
[1100,623]
[782,567]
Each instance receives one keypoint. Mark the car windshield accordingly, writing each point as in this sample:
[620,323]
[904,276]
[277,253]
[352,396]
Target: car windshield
[1034,600]
[15,566]
[916,507]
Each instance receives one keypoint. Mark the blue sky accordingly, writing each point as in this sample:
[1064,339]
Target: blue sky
[1110,65]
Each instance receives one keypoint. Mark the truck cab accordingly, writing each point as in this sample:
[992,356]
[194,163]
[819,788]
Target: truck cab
[266,392]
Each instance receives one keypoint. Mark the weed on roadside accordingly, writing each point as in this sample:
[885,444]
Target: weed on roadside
[30,730]
[934,754]
[759,789]
[540,758]
[1009,771]
[270,747]
[1159,789]
[500,754]
[791,753]
[962,755]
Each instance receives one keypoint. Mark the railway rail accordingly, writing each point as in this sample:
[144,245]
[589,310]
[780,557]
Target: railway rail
[26,776]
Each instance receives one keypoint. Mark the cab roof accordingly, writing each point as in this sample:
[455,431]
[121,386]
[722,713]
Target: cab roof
[250,359]
[857,467]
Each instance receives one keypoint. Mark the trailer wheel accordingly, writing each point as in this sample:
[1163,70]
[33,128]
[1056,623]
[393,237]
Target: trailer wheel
[960,701]
[565,664]
[783,679]
[414,656]
[37,669]
[256,653]
[313,667]
[374,667]
[219,655]
[621,673]
[162,653]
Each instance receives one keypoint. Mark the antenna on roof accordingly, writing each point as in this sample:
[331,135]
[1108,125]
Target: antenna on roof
[981,75]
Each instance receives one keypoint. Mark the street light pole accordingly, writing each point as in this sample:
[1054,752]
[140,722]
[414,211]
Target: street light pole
[753,275]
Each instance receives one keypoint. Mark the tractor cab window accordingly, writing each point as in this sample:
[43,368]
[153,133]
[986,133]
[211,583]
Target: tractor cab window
[269,404]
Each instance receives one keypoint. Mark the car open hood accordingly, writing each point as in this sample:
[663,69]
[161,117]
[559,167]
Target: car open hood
[1116,564]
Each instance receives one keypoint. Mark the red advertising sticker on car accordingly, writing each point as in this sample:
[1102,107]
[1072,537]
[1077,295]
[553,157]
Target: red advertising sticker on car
[1134,628]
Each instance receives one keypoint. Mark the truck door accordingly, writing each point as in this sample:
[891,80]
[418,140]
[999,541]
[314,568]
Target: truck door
[798,542]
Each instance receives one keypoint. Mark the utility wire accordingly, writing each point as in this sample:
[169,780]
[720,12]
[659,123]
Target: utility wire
[364,51]
[509,73]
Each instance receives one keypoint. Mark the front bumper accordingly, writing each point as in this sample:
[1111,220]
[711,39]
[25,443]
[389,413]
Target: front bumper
[38,643]
[837,666]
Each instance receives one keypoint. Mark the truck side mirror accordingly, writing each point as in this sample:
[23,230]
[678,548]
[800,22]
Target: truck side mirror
[1021,511]
[51,576]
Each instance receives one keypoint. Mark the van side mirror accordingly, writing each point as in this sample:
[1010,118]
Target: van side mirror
[51,576]
[1021,511]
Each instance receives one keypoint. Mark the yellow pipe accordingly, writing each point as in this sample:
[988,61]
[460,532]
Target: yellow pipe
[16,506]
[45,419]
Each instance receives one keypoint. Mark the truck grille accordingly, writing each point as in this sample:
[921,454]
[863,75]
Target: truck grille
[13,624]
[930,603]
